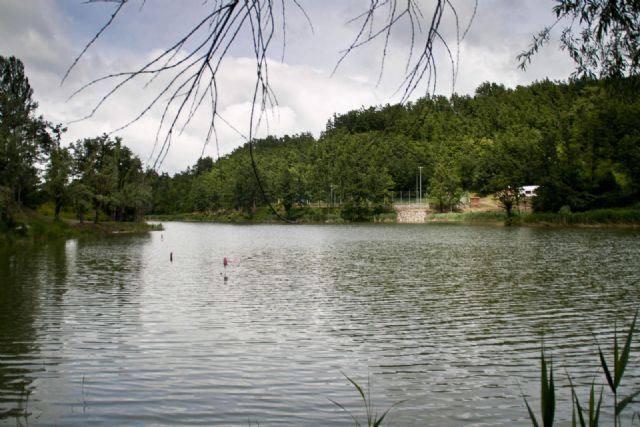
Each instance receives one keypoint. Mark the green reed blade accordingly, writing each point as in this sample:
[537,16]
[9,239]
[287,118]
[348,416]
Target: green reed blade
[531,415]
[547,393]
[576,405]
[624,357]
[616,359]
[355,420]
[592,404]
[378,422]
[624,402]
[543,382]
[605,368]
[594,416]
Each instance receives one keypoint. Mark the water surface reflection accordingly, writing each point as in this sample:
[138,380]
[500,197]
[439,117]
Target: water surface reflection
[448,319]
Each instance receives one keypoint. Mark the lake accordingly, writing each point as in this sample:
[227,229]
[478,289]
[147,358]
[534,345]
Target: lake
[447,321]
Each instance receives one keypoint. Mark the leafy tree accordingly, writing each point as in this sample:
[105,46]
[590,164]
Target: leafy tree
[206,191]
[23,136]
[578,141]
[164,196]
[58,177]
[445,186]
[5,201]
[203,165]
[96,167]
[112,176]
[81,197]
[511,163]
[601,36]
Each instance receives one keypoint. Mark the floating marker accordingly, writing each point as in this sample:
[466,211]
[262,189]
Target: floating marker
[171,256]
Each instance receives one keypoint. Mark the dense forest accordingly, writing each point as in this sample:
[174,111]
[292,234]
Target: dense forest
[98,175]
[579,141]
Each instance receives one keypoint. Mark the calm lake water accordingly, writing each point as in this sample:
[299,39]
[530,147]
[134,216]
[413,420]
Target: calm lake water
[448,320]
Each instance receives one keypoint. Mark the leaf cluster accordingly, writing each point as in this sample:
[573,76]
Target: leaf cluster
[578,141]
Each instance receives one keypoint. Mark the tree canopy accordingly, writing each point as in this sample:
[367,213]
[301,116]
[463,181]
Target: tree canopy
[95,173]
[601,36]
[578,141]
[23,135]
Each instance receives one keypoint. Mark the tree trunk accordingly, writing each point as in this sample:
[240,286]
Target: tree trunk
[56,214]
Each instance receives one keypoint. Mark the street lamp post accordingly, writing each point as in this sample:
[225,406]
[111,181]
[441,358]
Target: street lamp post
[420,168]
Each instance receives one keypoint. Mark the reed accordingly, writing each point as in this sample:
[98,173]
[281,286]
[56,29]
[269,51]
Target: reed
[373,419]
[613,379]
[547,395]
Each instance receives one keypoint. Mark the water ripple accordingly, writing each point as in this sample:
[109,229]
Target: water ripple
[447,319]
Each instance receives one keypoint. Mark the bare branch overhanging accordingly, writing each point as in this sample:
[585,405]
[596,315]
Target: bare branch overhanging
[191,72]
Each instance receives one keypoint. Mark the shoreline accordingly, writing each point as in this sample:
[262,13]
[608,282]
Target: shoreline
[603,218]
[42,228]
[46,228]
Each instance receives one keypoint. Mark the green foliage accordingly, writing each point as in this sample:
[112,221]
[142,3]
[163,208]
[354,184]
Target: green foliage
[594,407]
[628,216]
[445,189]
[373,419]
[23,136]
[467,217]
[57,175]
[5,201]
[579,141]
[600,36]
[547,395]
[613,379]
[109,178]
[620,360]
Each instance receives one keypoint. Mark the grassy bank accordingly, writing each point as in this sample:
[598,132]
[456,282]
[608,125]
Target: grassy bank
[48,229]
[629,217]
[619,217]
[30,225]
[623,217]
[265,215]
[466,217]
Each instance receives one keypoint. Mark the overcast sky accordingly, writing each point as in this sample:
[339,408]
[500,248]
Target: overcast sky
[48,34]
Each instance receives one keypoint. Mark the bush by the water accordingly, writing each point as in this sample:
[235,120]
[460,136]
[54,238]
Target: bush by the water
[622,216]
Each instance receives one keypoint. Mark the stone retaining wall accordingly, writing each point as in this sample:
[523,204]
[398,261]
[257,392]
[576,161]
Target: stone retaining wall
[408,214]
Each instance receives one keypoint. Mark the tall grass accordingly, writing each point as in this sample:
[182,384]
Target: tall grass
[547,395]
[466,217]
[613,379]
[373,419]
[621,216]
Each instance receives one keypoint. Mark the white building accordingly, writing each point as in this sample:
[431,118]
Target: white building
[528,191]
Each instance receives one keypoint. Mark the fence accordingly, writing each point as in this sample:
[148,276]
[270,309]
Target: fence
[409,198]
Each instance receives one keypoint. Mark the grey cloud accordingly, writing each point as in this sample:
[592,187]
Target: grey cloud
[41,34]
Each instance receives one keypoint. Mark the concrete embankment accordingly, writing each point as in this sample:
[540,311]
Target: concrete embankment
[411,214]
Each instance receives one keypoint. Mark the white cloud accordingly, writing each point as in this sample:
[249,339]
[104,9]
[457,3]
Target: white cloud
[48,36]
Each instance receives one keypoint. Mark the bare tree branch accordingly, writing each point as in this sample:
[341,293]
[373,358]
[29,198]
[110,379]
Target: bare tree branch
[191,73]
